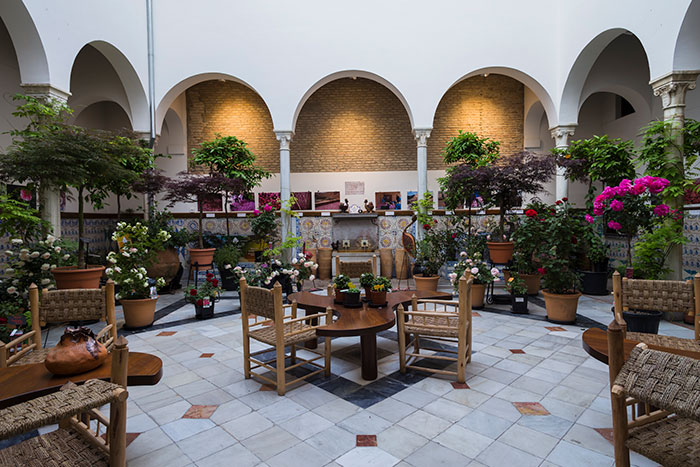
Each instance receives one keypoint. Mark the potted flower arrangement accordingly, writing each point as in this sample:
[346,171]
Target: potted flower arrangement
[264,227]
[560,279]
[594,270]
[204,297]
[304,268]
[340,283]
[137,292]
[31,262]
[351,297]
[480,271]
[380,286]
[516,286]
[366,282]
[528,239]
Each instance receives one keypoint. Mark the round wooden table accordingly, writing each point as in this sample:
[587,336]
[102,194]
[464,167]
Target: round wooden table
[365,322]
[595,343]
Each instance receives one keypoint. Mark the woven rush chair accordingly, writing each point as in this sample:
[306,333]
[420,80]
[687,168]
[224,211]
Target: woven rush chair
[667,296]
[355,269]
[440,320]
[272,327]
[661,391]
[56,307]
[86,437]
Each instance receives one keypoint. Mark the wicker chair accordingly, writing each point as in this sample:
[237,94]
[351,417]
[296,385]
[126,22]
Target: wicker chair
[661,391]
[667,296]
[279,330]
[354,269]
[438,320]
[85,437]
[61,306]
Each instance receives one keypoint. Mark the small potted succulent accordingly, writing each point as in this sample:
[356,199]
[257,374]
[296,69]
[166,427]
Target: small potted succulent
[351,296]
[480,271]
[204,297]
[517,288]
[380,286]
[340,283]
[366,282]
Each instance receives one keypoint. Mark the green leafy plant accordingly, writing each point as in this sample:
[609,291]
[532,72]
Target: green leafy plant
[352,289]
[430,256]
[366,279]
[477,267]
[264,223]
[17,219]
[341,282]
[227,255]
[529,237]
[515,285]
[381,284]
[559,253]
[471,149]
[652,249]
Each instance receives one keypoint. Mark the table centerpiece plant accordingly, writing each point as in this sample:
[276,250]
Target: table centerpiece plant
[340,283]
[379,288]
[517,288]
[366,280]
[481,273]
[204,296]
[351,296]
[137,291]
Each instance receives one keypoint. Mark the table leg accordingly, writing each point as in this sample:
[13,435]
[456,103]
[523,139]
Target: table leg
[368,350]
[312,343]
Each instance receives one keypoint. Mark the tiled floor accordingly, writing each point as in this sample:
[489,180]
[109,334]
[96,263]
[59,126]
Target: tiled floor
[533,397]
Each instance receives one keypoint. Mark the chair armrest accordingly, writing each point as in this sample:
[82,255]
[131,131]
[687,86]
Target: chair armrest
[439,302]
[53,408]
[441,314]
[10,357]
[306,318]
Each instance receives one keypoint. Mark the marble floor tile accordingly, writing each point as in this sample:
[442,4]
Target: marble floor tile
[224,458]
[435,454]
[500,454]
[301,453]
[365,423]
[206,443]
[186,427]
[247,425]
[270,442]
[425,424]
[571,455]
[399,441]
[464,441]
[485,424]
[333,441]
[306,425]
[528,440]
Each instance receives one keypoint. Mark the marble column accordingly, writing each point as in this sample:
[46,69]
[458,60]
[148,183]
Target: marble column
[672,89]
[422,135]
[285,138]
[561,136]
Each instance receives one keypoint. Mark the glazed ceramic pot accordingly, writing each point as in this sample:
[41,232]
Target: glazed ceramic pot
[426,282]
[70,277]
[500,252]
[139,313]
[77,352]
[561,308]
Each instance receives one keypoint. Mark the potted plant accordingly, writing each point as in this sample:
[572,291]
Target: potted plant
[137,292]
[204,297]
[380,286]
[351,296]
[516,286]
[264,227]
[366,282]
[594,272]
[528,239]
[560,279]
[429,260]
[304,268]
[226,258]
[340,283]
[479,271]
[32,262]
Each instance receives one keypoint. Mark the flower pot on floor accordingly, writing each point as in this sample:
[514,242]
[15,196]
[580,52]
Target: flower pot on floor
[519,304]
[500,252]
[204,311]
[139,313]
[532,281]
[165,265]
[202,256]
[643,321]
[478,292]
[426,282]
[594,283]
[70,277]
[561,308]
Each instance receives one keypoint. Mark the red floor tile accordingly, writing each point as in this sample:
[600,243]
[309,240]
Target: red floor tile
[206,355]
[166,333]
[606,433]
[555,328]
[530,408]
[200,411]
[475,313]
[366,440]
[457,385]
[266,387]
[517,351]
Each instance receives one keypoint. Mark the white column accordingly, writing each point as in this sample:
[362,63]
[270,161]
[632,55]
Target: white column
[672,89]
[422,135]
[285,138]
[561,135]
[49,198]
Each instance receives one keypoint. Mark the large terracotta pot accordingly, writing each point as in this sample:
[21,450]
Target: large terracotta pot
[386,261]
[500,252]
[478,292]
[70,277]
[139,312]
[165,265]
[76,352]
[202,256]
[324,263]
[426,283]
[561,308]
[533,283]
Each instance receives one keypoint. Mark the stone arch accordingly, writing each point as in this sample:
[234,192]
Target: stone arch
[686,55]
[31,56]
[351,74]
[103,115]
[638,101]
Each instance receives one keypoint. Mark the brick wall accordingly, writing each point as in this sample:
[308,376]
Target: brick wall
[231,108]
[491,106]
[353,125]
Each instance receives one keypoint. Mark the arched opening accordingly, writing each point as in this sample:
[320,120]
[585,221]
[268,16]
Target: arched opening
[686,55]
[30,54]
[103,115]
[10,85]
[172,142]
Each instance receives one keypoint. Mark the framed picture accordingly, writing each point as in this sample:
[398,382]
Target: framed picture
[244,202]
[387,200]
[326,200]
[271,198]
[411,197]
[303,202]
[211,203]
[441,200]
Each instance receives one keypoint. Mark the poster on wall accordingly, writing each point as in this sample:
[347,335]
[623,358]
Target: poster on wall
[244,202]
[210,203]
[326,200]
[303,202]
[354,188]
[387,200]
[441,200]
[271,198]
[412,197]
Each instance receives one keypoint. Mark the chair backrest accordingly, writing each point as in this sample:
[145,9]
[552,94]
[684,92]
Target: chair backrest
[260,301]
[355,268]
[60,306]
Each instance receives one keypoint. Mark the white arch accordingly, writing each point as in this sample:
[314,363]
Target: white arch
[350,74]
[76,116]
[531,130]
[31,56]
[524,78]
[686,55]
[638,101]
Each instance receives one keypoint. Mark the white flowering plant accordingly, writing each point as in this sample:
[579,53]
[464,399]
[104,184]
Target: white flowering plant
[127,267]
[31,263]
[303,267]
[14,313]
[477,267]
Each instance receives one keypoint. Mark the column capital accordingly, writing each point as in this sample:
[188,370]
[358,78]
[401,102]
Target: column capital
[561,134]
[45,90]
[422,135]
[284,137]
[673,86]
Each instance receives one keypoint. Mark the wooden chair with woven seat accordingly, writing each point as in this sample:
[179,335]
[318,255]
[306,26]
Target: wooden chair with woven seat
[439,320]
[354,269]
[279,331]
[661,392]
[86,437]
[658,295]
[56,307]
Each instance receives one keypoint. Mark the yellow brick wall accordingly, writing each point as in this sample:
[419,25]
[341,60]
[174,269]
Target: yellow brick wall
[353,125]
[491,106]
[231,108]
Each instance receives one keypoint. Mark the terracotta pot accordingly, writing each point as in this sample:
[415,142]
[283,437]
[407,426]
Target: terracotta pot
[339,296]
[500,252]
[70,277]
[368,292]
[478,292]
[533,283]
[76,352]
[165,265]
[378,298]
[561,308]
[202,256]
[324,263]
[139,313]
[426,283]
